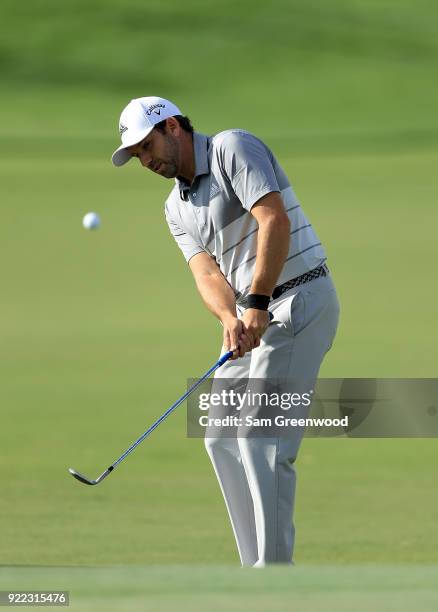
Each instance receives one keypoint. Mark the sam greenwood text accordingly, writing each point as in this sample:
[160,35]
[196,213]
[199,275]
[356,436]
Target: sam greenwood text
[278,421]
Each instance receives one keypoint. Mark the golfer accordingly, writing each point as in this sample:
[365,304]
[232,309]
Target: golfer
[261,270]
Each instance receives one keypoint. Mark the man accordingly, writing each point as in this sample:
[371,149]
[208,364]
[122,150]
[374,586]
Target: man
[252,252]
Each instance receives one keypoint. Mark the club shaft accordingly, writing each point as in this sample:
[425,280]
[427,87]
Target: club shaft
[179,401]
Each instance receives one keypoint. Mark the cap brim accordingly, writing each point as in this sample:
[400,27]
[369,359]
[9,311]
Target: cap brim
[122,155]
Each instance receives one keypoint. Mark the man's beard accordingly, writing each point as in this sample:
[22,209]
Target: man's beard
[169,170]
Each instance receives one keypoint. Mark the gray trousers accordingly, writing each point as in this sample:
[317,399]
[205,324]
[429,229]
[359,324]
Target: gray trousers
[257,475]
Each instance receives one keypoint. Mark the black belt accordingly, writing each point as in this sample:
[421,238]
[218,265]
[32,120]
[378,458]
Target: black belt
[300,280]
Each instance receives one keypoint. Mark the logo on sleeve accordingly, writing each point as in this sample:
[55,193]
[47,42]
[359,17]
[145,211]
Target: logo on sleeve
[122,129]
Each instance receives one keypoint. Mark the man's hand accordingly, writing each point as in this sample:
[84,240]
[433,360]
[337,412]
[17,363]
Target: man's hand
[255,323]
[235,337]
[243,335]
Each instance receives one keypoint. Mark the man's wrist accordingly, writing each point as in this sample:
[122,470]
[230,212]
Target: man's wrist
[258,301]
[227,317]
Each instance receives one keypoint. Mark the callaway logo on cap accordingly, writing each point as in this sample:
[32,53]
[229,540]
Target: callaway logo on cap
[137,120]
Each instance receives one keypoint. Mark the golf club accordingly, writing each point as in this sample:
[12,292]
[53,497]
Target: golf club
[108,471]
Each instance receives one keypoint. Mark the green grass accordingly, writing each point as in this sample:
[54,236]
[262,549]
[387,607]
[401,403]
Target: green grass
[344,75]
[100,331]
[166,588]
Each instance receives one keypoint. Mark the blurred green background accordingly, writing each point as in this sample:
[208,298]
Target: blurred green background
[100,331]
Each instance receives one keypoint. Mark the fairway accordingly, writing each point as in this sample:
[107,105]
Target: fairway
[100,331]
[96,352]
[168,588]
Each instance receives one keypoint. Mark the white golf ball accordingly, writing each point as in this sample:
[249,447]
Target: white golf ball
[91,221]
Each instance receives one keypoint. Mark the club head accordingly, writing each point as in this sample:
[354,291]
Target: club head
[81,478]
[86,480]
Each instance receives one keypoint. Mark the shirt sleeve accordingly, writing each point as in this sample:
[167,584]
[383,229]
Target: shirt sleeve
[188,245]
[248,164]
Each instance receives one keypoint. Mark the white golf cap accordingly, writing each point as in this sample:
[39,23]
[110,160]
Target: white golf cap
[137,120]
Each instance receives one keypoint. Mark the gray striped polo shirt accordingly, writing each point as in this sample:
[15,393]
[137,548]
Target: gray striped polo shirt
[233,170]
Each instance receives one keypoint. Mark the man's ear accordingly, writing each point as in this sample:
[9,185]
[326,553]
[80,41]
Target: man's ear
[173,126]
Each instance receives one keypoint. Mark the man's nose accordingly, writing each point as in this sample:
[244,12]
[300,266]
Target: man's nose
[145,159]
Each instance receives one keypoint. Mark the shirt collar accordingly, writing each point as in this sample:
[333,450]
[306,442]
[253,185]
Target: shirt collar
[200,150]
